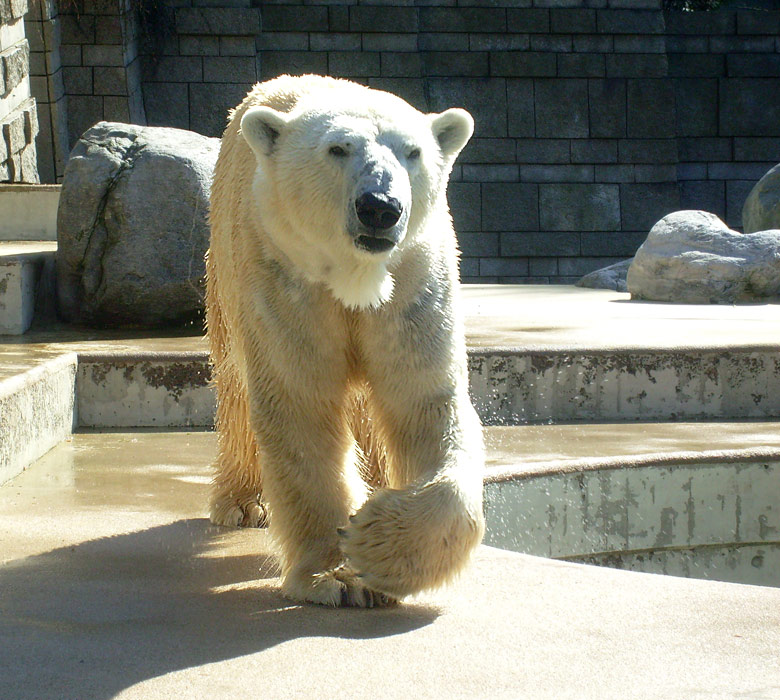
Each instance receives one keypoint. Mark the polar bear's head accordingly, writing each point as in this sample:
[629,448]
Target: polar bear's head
[348,178]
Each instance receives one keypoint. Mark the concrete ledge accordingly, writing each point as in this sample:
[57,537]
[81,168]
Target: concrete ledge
[695,499]
[566,355]
[26,268]
[36,412]
[151,390]
[509,388]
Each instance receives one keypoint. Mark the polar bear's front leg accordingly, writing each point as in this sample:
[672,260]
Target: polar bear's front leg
[311,485]
[421,533]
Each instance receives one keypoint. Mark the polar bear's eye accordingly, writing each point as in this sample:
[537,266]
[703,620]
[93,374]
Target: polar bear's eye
[414,154]
[337,151]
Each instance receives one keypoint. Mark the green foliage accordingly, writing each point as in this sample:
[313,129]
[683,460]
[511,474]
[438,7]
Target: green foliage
[692,5]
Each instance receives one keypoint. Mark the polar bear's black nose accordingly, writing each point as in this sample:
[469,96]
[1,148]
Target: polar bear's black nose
[378,211]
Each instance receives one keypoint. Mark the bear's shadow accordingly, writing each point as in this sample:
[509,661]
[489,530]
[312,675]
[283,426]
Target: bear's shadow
[98,617]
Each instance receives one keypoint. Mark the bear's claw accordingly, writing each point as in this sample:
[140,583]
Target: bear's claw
[338,587]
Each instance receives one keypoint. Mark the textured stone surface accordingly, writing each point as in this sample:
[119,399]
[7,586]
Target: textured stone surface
[761,211]
[15,65]
[132,227]
[692,257]
[610,277]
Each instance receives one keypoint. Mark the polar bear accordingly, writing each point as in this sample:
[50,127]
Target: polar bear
[337,341]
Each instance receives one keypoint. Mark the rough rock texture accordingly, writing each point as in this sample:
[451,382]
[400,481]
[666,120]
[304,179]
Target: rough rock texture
[761,211]
[131,226]
[611,277]
[692,257]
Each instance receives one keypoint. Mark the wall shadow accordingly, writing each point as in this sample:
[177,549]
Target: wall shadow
[98,617]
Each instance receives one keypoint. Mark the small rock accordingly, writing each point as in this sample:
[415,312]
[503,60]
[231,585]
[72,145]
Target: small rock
[131,226]
[692,257]
[761,211]
[611,277]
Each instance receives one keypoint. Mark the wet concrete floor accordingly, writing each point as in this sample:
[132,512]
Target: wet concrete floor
[114,585]
[531,449]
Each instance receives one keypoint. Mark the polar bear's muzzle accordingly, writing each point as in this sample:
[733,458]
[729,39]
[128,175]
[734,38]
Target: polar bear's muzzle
[379,215]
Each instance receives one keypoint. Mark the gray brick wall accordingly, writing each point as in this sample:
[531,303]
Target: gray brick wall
[594,118]
[101,66]
[725,71]
[207,66]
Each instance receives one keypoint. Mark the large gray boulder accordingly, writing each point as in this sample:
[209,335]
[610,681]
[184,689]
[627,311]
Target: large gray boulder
[611,277]
[131,227]
[692,257]
[761,211]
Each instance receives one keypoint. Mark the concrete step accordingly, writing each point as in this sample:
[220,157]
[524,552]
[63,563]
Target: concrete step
[37,408]
[113,580]
[535,355]
[26,283]
[557,354]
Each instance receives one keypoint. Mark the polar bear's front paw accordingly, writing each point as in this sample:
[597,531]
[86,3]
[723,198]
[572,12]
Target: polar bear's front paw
[404,542]
[339,587]
[233,513]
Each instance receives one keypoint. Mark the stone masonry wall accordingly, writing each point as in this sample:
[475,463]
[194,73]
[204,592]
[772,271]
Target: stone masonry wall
[46,85]
[570,163]
[594,117]
[725,68]
[101,64]
[18,116]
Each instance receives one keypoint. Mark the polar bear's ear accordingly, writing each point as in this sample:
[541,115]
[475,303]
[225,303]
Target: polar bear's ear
[261,127]
[452,129]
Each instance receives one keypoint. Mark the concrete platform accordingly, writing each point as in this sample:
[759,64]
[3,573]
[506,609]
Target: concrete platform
[564,318]
[511,317]
[113,585]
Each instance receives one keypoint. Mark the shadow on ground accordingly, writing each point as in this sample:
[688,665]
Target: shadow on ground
[98,617]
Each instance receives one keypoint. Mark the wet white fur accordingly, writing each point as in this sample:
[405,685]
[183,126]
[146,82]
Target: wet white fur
[331,362]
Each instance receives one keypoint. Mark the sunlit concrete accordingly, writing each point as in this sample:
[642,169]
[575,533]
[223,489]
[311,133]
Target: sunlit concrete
[113,585]
[36,412]
[530,450]
[565,318]
[536,354]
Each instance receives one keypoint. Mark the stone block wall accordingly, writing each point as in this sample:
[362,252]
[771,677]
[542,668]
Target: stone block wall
[46,85]
[594,118]
[725,68]
[18,116]
[101,64]
[205,67]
